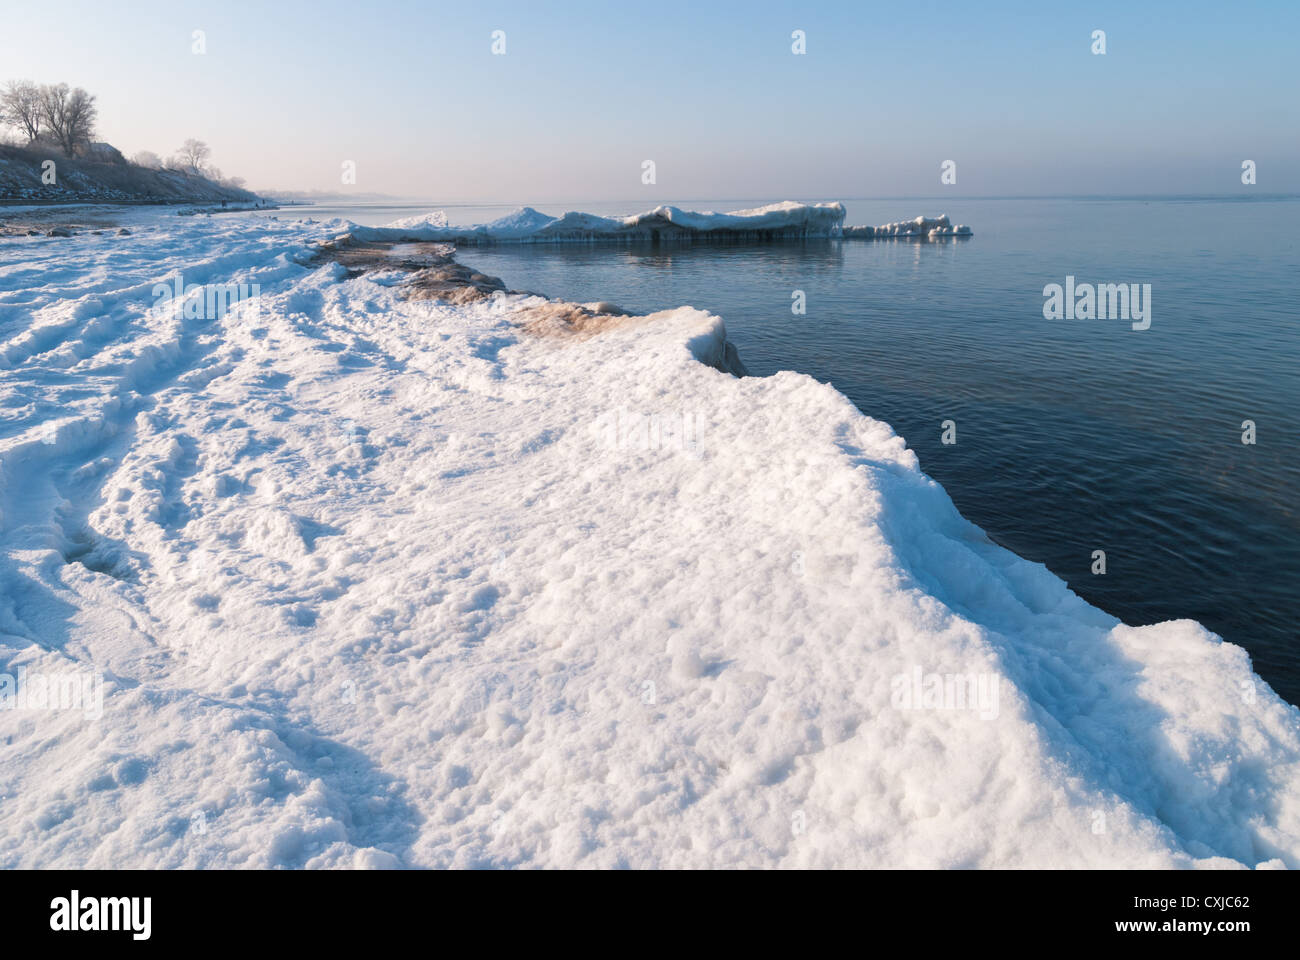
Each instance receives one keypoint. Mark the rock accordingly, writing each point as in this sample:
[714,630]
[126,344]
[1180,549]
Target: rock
[123,232]
[59,232]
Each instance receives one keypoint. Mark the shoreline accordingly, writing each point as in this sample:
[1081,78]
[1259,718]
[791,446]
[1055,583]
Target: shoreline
[537,583]
[21,202]
[64,219]
[585,318]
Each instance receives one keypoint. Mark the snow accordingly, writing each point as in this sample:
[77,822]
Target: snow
[921,227]
[432,221]
[774,221]
[381,582]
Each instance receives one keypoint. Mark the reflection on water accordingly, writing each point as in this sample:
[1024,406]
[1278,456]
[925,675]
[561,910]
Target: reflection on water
[813,257]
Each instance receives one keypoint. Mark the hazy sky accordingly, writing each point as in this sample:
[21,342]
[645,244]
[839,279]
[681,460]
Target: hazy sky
[887,91]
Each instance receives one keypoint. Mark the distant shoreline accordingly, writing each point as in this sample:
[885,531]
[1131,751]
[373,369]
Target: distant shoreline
[242,205]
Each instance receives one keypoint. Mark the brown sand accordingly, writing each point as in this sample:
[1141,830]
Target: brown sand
[436,275]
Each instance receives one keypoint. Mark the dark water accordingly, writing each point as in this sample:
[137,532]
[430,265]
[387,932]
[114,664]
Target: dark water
[1072,435]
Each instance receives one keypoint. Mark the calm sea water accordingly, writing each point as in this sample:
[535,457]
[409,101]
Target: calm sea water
[1072,435]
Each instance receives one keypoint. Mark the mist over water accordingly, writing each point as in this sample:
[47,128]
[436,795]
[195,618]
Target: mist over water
[1072,435]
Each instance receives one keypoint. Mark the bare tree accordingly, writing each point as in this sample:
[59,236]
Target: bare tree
[70,116]
[194,155]
[148,159]
[20,105]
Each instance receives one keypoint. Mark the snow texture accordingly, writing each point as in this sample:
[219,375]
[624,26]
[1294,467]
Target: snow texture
[385,582]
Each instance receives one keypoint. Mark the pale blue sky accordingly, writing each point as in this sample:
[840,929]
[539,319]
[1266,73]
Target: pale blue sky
[710,91]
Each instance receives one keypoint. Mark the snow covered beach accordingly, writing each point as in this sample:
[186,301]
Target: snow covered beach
[375,579]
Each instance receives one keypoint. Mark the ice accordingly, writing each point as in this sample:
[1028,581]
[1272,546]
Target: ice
[375,581]
[433,220]
[786,220]
[929,228]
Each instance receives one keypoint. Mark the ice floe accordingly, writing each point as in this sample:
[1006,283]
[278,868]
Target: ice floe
[776,221]
[927,228]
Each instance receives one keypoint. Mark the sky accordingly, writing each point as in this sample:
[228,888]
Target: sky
[412,94]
